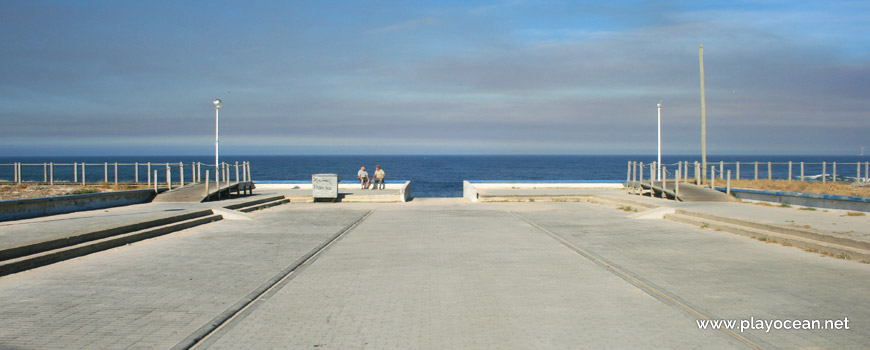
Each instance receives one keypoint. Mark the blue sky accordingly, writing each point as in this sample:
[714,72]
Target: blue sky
[427,77]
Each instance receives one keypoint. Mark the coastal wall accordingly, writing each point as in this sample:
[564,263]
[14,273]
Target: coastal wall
[471,189]
[814,200]
[403,187]
[17,209]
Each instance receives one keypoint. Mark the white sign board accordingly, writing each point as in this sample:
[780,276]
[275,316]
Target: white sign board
[324,185]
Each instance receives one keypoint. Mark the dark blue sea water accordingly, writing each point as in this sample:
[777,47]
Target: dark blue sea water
[431,176]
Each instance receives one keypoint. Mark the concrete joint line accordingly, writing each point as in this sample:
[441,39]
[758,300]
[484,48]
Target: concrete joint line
[212,330]
[646,287]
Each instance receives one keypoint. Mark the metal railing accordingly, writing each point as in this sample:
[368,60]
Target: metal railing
[51,173]
[790,171]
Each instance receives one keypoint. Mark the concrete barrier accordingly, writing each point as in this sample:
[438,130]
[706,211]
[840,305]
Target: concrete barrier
[471,188]
[17,209]
[814,200]
[403,187]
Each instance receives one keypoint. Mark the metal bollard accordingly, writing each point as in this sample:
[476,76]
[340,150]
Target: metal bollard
[206,184]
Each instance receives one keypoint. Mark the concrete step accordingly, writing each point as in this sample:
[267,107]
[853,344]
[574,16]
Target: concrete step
[618,203]
[264,205]
[798,231]
[92,246]
[254,202]
[816,246]
[12,252]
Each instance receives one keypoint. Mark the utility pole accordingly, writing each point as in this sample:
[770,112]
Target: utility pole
[703,117]
[659,166]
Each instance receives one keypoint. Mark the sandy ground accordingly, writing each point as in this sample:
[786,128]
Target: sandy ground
[13,191]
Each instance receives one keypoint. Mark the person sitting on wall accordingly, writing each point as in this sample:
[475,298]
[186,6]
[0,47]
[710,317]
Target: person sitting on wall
[363,176]
[379,178]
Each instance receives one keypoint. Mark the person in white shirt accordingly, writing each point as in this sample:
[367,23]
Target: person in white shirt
[363,176]
[379,178]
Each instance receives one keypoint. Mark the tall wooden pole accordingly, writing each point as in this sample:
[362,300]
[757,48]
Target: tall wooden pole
[703,116]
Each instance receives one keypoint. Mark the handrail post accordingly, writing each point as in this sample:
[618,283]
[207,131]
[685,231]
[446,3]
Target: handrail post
[802,172]
[834,178]
[756,170]
[721,169]
[136,172]
[149,174]
[44,172]
[155,180]
[789,171]
[206,184]
[713,177]
[728,184]
[83,174]
[237,171]
[75,172]
[677,177]
[697,173]
[116,174]
[168,177]
[628,179]
[664,176]
[738,171]
[824,172]
[769,171]
[51,173]
[181,172]
[106,172]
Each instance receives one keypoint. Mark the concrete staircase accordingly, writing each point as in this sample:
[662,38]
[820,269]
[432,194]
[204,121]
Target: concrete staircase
[27,256]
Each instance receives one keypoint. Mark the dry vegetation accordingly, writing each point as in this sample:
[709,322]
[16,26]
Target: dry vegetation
[13,191]
[840,188]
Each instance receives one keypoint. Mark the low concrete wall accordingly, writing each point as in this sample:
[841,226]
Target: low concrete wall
[17,209]
[404,187]
[814,200]
[470,187]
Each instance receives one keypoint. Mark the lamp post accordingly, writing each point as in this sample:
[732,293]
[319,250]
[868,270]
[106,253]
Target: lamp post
[217,107]
[659,166]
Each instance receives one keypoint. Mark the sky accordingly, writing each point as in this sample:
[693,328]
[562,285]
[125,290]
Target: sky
[432,77]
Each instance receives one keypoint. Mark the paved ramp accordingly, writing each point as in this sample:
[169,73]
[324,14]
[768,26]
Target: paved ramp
[688,192]
[196,193]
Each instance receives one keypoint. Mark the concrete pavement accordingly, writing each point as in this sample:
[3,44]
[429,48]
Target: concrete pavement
[438,273]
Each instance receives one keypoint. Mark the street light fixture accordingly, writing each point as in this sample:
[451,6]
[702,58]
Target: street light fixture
[217,107]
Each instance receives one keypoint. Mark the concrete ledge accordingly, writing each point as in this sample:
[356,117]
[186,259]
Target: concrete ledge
[803,199]
[17,209]
[401,188]
[473,190]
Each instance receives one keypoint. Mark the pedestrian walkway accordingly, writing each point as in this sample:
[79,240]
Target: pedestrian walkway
[435,273]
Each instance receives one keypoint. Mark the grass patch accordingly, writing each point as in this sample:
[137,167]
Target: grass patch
[627,208]
[840,188]
[705,225]
[84,191]
[784,205]
[855,213]
[808,208]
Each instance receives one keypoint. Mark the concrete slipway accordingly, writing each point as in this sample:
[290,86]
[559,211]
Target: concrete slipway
[442,273]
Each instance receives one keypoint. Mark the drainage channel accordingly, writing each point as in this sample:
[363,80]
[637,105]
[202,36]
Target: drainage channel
[239,310]
[647,287]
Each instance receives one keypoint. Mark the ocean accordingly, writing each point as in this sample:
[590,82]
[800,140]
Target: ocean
[430,176]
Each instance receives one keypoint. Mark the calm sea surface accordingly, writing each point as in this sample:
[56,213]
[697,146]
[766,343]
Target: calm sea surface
[431,176]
